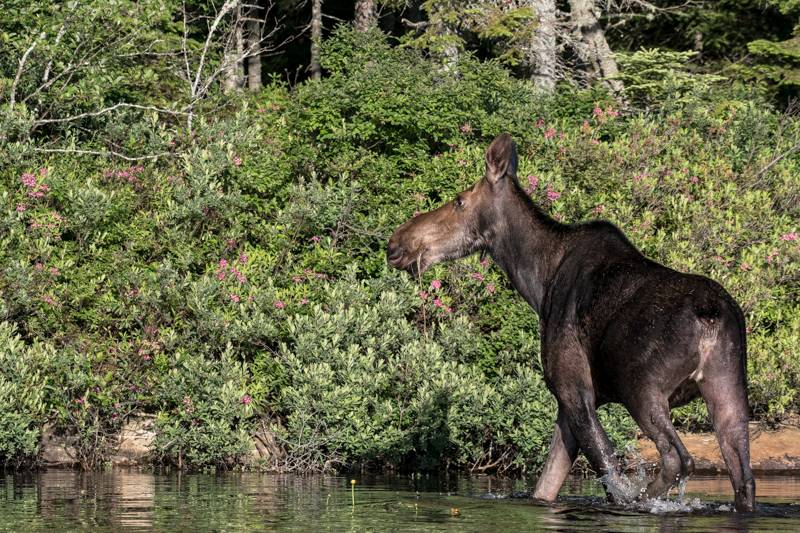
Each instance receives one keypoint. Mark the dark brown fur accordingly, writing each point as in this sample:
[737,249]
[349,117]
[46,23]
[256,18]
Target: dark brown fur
[615,326]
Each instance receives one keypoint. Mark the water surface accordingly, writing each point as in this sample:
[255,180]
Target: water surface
[130,501]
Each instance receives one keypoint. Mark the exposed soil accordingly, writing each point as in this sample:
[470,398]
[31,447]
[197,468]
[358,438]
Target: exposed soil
[772,451]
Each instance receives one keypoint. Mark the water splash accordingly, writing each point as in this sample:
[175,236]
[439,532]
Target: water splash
[630,492]
[664,506]
[624,489]
[682,488]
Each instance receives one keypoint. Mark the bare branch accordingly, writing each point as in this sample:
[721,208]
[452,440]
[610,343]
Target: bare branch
[226,8]
[777,159]
[59,36]
[617,6]
[21,67]
[105,110]
[419,26]
[101,153]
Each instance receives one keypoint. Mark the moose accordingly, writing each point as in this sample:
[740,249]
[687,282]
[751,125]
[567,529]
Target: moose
[615,327]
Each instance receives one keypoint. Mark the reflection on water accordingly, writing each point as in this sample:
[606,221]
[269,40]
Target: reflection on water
[132,501]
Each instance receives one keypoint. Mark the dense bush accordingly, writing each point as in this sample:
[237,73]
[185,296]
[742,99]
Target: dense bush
[244,274]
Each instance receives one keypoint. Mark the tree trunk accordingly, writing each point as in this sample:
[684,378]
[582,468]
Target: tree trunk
[234,60]
[365,15]
[451,54]
[316,38]
[593,48]
[254,49]
[541,54]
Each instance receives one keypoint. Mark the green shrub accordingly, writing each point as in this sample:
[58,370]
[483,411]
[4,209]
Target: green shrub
[251,261]
[22,404]
[204,413]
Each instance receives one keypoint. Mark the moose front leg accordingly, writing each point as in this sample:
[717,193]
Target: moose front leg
[563,451]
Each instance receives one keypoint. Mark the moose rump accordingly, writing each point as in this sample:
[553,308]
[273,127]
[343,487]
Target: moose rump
[615,327]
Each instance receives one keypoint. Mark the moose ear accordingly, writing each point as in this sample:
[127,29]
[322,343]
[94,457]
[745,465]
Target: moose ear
[501,158]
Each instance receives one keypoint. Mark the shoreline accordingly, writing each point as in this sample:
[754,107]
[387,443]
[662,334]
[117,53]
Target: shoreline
[772,451]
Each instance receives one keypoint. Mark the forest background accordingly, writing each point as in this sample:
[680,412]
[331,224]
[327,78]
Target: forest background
[195,199]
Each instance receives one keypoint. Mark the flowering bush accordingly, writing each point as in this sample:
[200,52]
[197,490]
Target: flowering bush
[245,275]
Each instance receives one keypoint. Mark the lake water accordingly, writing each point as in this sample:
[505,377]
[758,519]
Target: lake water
[59,500]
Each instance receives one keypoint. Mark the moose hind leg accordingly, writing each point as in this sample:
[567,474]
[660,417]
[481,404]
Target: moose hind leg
[676,464]
[726,400]
[563,451]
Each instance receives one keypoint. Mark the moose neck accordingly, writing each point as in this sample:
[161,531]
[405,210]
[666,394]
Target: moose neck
[527,244]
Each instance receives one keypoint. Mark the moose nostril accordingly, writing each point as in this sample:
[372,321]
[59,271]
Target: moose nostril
[394,252]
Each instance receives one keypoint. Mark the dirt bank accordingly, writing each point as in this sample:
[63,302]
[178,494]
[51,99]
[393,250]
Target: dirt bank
[772,451]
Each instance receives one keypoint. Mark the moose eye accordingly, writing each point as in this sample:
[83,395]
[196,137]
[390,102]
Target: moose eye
[459,202]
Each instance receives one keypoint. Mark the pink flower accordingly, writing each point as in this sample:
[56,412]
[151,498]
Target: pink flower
[585,127]
[485,262]
[436,284]
[303,301]
[239,276]
[553,195]
[611,112]
[540,123]
[550,133]
[449,309]
[466,128]
[246,399]
[21,208]
[490,288]
[279,304]
[28,180]
[237,161]
[594,141]
[745,266]
[478,276]
[438,303]
[315,238]
[771,256]
[235,298]
[694,179]
[297,279]
[222,263]
[533,181]
[598,112]
[423,295]
[599,208]
[789,236]
[243,258]
[54,271]
[38,266]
